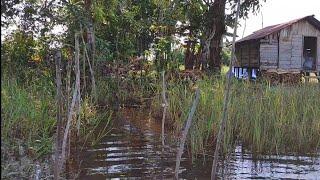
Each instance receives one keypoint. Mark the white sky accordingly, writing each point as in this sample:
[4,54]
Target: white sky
[279,11]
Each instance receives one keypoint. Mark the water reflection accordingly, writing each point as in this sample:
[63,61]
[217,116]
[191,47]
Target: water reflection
[133,150]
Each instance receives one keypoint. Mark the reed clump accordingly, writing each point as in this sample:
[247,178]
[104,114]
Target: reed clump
[28,114]
[265,119]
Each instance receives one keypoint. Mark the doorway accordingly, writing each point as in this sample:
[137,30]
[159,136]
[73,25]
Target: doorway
[309,53]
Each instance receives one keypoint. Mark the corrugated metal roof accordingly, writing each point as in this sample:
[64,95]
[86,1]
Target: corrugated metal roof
[275,28]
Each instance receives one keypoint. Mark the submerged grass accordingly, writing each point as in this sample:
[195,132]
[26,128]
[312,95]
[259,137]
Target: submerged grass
[266,119]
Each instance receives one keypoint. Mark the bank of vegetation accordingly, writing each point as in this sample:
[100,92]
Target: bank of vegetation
[117,50]
[264,119]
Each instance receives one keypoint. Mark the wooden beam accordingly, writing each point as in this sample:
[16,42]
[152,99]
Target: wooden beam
[249,54]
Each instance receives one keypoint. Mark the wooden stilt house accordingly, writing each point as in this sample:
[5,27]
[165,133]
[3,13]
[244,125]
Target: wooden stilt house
[291,47]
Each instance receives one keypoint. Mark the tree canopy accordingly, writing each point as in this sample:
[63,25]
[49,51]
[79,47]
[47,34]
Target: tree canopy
[130,28]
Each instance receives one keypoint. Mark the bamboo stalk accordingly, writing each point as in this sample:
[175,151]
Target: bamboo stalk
[165,106]
[226,100]
[185,132]
[57,58]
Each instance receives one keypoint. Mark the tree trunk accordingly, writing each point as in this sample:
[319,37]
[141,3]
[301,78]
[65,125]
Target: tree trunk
[225,102]
[188,58]
[214,33]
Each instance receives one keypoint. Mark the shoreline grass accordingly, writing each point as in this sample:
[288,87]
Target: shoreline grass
[266,119]
[29,114]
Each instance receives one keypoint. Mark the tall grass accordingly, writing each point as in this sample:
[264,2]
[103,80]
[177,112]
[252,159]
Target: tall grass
[266,119]
[28,113]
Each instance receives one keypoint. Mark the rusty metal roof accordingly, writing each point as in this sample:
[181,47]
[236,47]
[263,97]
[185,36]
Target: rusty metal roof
[275,28]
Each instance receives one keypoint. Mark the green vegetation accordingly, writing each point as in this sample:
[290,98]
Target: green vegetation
[265,119]
[125,91]
[28,113]
[128,43]
[28,125]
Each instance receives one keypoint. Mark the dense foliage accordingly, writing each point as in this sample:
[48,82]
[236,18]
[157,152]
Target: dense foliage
[125,29]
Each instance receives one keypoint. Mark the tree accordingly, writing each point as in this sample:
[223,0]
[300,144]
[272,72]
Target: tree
[210,20]
[217,21]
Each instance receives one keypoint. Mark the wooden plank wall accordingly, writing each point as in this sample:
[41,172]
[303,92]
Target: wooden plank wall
[291,45]
[296,53]
[268,52]
[248,54]
[285,49]
[318,52]
[254,54]
[287,54]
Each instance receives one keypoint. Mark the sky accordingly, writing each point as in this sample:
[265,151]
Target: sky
[279,11]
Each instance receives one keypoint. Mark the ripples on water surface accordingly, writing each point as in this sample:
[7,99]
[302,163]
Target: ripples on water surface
[133,150]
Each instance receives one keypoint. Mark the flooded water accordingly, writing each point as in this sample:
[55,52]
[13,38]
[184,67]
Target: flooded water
[133,150]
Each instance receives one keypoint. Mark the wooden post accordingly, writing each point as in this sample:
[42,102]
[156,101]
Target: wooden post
[165,106]
[77,72]
[57,58]
[93,81]
[249,63]
[226,101]
[68,82]
[185,132]
[84,69]
[93,45]
[72,105]
[238,70]
[249,69]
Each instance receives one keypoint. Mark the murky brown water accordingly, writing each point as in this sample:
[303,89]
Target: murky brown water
[133,150]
